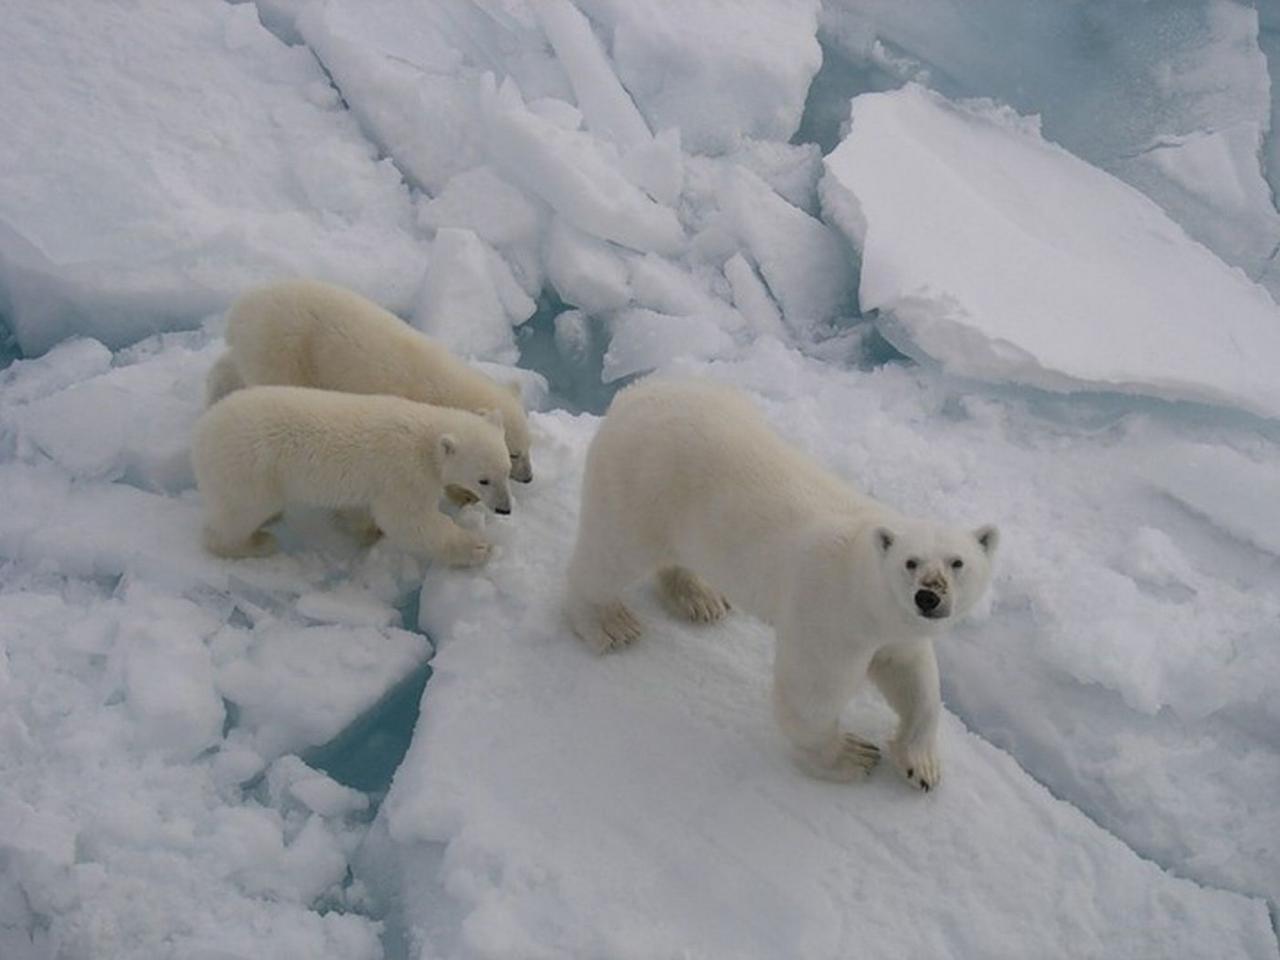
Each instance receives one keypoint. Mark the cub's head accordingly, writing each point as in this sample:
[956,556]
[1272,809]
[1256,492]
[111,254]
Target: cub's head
[934,573]
[474,463]
[515,424]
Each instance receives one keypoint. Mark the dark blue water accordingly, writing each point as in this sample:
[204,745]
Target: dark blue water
[367,753]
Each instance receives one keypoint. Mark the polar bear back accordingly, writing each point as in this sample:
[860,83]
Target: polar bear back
[311,334]
[691,473]
[329,449]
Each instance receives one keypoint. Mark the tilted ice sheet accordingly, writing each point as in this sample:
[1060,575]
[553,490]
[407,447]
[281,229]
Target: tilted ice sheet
[1172,97]
[558,803]
[719,72]
[157,158]
[1003,257]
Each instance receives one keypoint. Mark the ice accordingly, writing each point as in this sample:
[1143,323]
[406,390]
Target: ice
[574,174]
[559,803]
[1134,88]
[596,189]
[606,106]
[470,299]
[805,263]
[148,691]
[586,272]
[752,298]
[644,340]
[1003,257]
[718,72]
[1233,491]
[297,687]
[155,213]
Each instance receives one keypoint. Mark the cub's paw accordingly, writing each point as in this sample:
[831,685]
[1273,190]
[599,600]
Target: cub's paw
[919,764]
[360,525]
[259,544]
[468,552]
[849,758]
[688,596]
[605,627]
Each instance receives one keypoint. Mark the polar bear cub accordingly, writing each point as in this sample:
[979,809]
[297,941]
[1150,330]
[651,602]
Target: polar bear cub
[263,447]
[306,333]
[687,479]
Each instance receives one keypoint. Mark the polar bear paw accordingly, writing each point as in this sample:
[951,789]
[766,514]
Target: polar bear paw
[606,627]
[919,764]
[259,544]
[690,597]
[360,525]
[470,551]
[849,758]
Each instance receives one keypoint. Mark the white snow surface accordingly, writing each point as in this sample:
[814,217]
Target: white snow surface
[558,803]
[157,158]
[1110,758]
[1003,257]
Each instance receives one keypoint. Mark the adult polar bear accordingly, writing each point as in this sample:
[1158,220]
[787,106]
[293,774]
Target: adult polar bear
[305,333]
[687,476]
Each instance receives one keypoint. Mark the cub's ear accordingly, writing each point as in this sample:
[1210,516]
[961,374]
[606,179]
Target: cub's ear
[988,538]
[493,416]
[513,388]
[448,445]
[884,538]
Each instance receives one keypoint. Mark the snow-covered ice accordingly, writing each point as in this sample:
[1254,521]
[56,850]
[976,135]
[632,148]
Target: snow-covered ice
[1003,257]
[158,158]
[564,804]
[196,755]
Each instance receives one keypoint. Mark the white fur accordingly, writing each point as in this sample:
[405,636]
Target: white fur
[263,447]
[306,333]
[687,476]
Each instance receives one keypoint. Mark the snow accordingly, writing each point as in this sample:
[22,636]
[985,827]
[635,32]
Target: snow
[128,209]
[196,755]
[643,805]
[1019,259]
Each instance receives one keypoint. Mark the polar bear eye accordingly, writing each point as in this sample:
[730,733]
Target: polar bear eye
[484,482]
[957,563]
[912,563]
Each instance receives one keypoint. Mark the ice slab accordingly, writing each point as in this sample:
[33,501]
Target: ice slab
[1003,257]
[718,72]
[1139,89]
[160,213]
[556,802]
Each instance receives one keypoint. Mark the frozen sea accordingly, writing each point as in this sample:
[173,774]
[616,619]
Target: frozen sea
[1010,262]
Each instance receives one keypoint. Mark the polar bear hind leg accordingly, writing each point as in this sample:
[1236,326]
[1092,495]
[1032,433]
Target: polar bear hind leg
[688,596]
[223,378]
[236,531]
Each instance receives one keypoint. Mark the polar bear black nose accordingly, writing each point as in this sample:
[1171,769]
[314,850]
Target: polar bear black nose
[927,600]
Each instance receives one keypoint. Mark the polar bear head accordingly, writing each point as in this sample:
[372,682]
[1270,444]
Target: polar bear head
[932,572]
[474,463]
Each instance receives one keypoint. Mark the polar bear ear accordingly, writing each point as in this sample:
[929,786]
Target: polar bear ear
[988,538]
[493,416]
[884,538]
[448,444]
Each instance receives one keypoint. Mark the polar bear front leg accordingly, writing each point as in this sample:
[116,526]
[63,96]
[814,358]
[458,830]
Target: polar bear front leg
[426,530]
[908,678]
[808,698]
[688,596]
